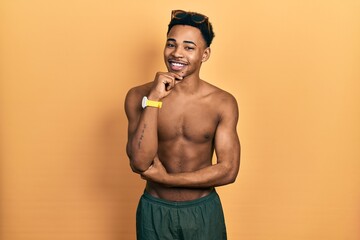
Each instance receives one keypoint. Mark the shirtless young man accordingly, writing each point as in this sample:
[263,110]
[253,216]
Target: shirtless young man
[171,139]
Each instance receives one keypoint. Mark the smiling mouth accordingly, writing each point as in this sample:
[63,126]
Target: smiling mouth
[177,66]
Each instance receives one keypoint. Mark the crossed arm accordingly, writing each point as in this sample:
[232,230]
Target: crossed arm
[146,163]
[227,149]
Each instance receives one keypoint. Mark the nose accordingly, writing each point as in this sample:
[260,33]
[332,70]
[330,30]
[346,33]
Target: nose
[177,53]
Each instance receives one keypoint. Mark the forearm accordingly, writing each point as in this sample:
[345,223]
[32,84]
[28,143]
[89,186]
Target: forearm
[143,145]
[211,176]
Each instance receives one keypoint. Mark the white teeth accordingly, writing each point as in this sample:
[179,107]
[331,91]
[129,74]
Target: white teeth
[177,64]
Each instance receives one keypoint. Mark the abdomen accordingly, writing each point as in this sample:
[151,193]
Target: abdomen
[183,156]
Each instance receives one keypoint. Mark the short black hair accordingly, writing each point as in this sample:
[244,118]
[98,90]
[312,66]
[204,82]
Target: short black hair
[205,27]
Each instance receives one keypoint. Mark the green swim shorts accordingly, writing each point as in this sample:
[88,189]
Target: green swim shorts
[158,219]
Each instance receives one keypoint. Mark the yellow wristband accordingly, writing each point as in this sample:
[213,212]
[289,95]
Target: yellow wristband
[149,103]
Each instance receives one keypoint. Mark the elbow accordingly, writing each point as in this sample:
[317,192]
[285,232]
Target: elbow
[139,164]
[232,178]
[137,168]
[231,175]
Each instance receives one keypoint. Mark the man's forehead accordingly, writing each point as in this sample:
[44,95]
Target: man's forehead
[181,33]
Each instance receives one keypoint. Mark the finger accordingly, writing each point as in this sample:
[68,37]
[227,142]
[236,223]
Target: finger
[176,76]
[171,84]
[156,163]
[168,86]
[172,75]
[169,75]
[167,79]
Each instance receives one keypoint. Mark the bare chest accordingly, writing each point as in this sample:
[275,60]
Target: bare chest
[195,123]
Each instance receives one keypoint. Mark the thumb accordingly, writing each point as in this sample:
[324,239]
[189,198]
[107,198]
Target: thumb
[156,161]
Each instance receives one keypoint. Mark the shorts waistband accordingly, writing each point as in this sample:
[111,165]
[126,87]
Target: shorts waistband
[177,204]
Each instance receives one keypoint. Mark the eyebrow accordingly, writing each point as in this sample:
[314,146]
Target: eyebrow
[173,40]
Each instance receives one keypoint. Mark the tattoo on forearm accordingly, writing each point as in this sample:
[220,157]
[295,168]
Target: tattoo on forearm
[142,136]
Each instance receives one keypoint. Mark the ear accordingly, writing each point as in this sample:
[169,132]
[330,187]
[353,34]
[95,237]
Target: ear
[206,54]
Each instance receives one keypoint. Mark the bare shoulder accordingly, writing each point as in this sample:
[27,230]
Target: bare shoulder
[223,99]
[138,91]
[134,96]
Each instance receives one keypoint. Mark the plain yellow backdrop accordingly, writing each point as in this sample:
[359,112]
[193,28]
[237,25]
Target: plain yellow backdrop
[293,66]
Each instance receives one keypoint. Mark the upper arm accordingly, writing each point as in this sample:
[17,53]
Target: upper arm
[227,144]
[133,111]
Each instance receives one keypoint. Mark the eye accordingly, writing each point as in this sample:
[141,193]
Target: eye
[189,48]
[170,45]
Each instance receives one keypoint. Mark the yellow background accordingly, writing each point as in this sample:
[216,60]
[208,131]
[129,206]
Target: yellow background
[294,67]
